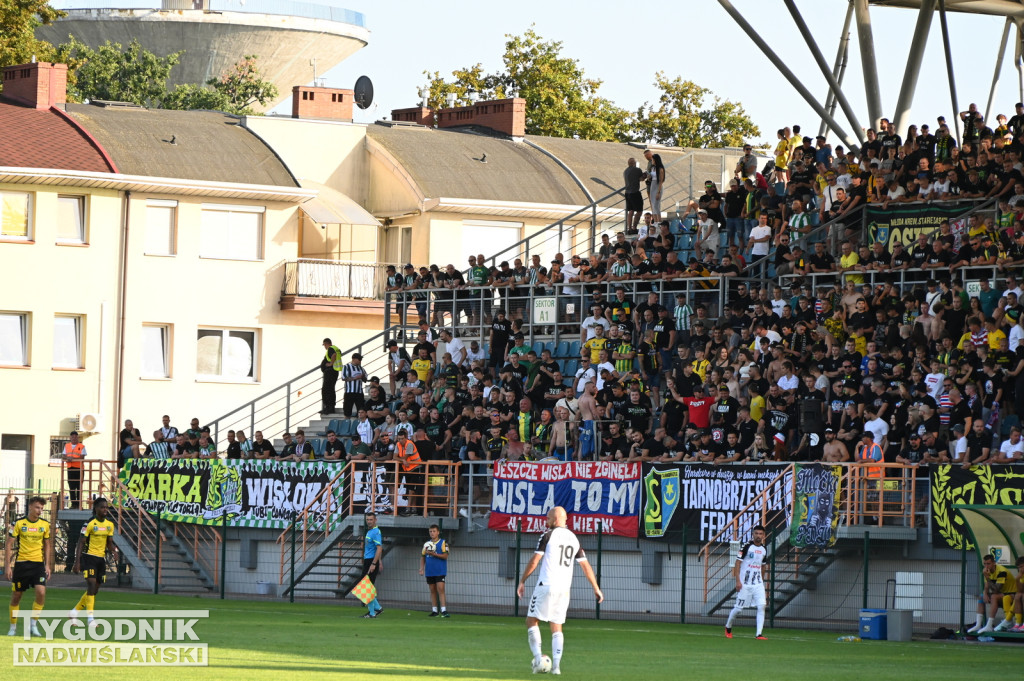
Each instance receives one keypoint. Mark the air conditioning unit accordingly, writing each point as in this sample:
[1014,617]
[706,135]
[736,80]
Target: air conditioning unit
[89,423]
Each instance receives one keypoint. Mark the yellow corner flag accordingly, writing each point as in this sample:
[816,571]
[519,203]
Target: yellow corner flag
[364,590]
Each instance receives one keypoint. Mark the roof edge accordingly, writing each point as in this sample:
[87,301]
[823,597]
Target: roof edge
[242,121]
[88,137]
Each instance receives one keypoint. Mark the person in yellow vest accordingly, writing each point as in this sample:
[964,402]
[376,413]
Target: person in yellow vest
[331,365]
[91,556]
[411,467]
[868,452]
[74,452]
[32,567]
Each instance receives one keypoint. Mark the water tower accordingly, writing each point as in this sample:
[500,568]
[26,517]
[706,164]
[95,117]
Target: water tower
[288,37]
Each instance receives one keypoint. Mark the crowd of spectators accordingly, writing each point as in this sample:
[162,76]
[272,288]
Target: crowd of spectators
[828,367]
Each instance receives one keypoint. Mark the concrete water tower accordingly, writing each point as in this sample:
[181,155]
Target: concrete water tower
[288,37]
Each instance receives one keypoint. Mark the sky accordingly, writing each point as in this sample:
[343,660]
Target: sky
[694,39]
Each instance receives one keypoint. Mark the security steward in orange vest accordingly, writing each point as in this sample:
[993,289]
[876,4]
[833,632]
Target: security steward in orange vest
[869,451]
[74,452]
[412,467]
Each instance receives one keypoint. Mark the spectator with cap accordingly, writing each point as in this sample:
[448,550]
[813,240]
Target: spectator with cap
[707,233]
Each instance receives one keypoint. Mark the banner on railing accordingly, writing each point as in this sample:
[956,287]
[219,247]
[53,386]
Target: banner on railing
[595,494]
[704,497]
[252,493]
[995,485]
[903,222]
[816,505]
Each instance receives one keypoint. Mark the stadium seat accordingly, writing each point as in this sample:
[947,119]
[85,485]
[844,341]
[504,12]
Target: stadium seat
[335,425]
[318,446]
[1008,421]
[571,365]
[684,242]
[348,427]
[563,349]
[574,349]
[538,346]
[550,347]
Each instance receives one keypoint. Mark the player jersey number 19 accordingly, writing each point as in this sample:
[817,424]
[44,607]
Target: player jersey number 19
[565,555]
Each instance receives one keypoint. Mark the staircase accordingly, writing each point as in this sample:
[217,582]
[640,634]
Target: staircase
[180,556]
[332,567]
[795,570]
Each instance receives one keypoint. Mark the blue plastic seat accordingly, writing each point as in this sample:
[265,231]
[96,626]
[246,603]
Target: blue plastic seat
[550,347]
[318,446]
[563,349]
[571,365]
[538,346]
[574,349]
[348,428]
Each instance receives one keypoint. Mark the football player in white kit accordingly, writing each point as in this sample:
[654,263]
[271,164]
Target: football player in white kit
[556,551]
[749,571]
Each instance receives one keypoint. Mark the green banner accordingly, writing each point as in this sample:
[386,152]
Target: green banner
[903,222]
[816,505]
[986,485]
[251,493]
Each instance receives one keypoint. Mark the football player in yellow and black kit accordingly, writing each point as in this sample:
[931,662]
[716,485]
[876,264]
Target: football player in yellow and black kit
[998,591]
[91,557]
[32,568]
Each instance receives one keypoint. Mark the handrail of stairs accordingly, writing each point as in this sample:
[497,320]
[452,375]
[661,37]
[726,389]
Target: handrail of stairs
[315,522]
[718,546]
[295,401]
[144,526]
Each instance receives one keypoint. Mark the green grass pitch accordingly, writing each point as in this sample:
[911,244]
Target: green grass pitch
[271,640]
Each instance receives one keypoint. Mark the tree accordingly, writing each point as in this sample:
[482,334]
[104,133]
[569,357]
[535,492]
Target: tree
[18,22]
[121,75]
[682,118]
[234,92]
[560,100]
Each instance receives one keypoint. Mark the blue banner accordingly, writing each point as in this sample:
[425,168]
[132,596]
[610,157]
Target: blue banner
[595,494]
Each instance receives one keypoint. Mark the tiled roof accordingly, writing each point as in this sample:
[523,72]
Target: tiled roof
[33,138]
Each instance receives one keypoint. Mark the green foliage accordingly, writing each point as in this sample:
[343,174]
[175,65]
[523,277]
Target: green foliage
[234,92]
[562,102]
[122,75]
[683,119]
[139,76]
[18,22]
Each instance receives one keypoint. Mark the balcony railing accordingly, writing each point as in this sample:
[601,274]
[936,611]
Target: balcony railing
[309,10]
[334,279]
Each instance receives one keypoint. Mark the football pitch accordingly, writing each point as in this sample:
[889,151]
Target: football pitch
[257,640]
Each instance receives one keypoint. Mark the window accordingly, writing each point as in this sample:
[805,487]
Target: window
[71,219]
[156,351]
[231,232]
[67,342]
[14,215]
[14,339]
[161,227]
[226,353]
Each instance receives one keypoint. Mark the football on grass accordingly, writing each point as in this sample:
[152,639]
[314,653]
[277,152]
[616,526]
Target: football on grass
[543,666]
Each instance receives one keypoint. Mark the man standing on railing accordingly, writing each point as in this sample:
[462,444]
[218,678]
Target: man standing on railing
[331,366]
[631,177]
[74,452]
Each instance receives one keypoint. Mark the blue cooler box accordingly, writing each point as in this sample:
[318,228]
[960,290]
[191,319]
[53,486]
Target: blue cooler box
[873,625]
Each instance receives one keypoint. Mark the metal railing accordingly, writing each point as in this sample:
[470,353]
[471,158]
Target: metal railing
[297,401]
[906,279]
[307,277]
[285,7]
[367,486]
[579,231]
[869,498]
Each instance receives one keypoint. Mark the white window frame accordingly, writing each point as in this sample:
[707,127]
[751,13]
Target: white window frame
[83,205]
[166,340]
[25,323]
[78,329]
[29,214]
[232,209]
[226,332]
[172,245]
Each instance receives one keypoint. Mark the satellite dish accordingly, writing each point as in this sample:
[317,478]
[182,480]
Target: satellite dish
[364,92]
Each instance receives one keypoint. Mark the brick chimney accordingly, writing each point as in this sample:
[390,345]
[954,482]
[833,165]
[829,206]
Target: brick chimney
[39,85]
[322,102]
[507,116]
[417,114]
